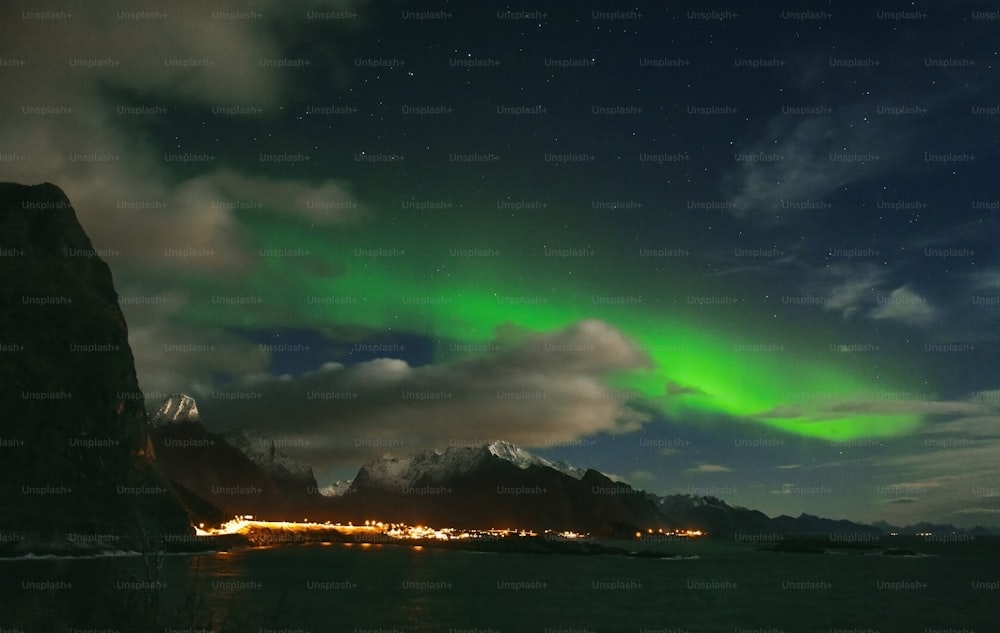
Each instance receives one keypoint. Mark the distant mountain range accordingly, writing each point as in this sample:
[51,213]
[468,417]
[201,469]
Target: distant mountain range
[496,484]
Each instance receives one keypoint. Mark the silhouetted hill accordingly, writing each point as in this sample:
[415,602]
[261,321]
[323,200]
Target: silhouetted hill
[72,429]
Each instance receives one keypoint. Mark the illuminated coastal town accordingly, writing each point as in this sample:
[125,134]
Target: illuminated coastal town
[384,531]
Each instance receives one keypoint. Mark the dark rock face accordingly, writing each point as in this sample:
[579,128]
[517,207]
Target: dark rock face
[73,425]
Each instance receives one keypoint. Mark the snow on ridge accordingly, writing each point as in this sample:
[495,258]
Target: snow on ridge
[517,456]
[523,459]
[178,407]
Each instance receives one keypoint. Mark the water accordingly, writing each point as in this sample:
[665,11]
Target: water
[720,586]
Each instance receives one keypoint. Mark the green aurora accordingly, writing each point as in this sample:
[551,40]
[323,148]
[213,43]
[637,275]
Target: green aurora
[746,369]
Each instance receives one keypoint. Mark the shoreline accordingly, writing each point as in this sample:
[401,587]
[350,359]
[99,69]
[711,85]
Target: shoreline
[46,546]
[35,546]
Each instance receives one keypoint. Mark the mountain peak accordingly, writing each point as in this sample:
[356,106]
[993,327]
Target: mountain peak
[177,408]
[505,450]
[523,459]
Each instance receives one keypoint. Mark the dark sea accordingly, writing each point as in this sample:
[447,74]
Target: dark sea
[712,585]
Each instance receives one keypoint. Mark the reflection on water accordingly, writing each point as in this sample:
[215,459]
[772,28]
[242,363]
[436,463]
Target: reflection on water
[417,614]
[212,586]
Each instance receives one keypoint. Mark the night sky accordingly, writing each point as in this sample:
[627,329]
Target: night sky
[746,252]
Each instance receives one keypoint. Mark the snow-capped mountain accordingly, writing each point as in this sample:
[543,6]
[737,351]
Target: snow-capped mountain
[261,450]
[176,408]
[495,484]
[523,459]
[392,473]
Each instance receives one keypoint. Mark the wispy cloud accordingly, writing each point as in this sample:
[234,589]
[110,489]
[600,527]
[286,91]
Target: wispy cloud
[802,161]
[125,189]
[865,290]
[906,306]
[708,468]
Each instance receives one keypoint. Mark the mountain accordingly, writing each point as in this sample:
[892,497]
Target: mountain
[495,485]
[221,476]
[811,525]
[390,473]
[261,450]
[721,519]
[74,421]
[711,515]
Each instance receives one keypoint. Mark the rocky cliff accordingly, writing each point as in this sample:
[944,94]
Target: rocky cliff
[73,423]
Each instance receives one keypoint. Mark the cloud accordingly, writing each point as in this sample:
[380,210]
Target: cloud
[986,280]
[949,465]
[122,185]
[640,477]
[170,358]
[979,408]
[158,226]
[546,389]
[677,389]
[919,486]
[917,407]
[807,159]
[849,289]
[812,158]
[905,306]
[329,202]
[186,50]
[863,290]
[709,468]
